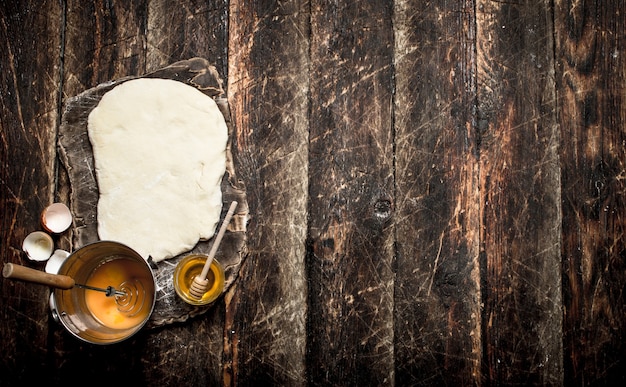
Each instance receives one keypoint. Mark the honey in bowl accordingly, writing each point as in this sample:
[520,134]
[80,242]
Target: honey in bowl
[190,267]
[119,312]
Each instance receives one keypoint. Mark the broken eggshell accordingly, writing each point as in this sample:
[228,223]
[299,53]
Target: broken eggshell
[38,246]
[56,218]
[56,260]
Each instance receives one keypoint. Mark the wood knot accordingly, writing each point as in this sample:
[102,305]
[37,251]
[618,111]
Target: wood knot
[382,209]
[379,214]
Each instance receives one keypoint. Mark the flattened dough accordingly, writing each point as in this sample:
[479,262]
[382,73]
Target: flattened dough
[160,154]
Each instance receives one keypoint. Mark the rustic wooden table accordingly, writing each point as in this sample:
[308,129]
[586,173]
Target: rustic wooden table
[437,189]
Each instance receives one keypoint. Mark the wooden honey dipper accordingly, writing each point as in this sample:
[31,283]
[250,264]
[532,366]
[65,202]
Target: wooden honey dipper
[200,282]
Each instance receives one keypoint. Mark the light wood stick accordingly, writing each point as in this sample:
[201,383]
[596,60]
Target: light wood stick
[198,287]
[23,273]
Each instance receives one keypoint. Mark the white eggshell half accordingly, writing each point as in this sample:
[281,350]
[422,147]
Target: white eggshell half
[38,246]
[56,218]
[56,260]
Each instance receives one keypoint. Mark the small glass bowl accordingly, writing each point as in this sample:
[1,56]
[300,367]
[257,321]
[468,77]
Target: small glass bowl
[190,267]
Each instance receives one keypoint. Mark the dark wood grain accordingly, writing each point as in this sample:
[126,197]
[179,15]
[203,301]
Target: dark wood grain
[106,42]
[437,292]
[591,82]
[102,41]
[268,86]
[349,263]
[179,30]
[520,204]
[30,66]
[190,353]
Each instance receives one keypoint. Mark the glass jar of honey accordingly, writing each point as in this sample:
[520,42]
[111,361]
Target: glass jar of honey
[190,267]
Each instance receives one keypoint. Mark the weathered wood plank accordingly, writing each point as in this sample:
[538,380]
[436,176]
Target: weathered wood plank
[30,40]
[191,353]
[437,292]
[179,30]
[591,81]
[349,265]
[267,88]
[103,41]
[520,199]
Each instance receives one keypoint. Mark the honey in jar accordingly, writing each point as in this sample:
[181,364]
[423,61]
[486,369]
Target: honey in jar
[190,267]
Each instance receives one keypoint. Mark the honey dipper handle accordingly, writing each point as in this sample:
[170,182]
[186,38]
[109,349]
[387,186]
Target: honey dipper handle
[218,239]
[23,273]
